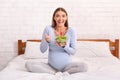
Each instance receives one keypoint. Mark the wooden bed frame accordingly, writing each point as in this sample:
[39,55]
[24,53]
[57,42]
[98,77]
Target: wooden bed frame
[114,46]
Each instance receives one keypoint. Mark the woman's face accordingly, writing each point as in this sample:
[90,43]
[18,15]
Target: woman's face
[60,18]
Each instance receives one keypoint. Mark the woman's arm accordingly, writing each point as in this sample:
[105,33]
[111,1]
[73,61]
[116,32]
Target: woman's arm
[44,44]
[71,47]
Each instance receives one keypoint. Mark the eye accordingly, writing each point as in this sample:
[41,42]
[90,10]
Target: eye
[57,15]
[63,15]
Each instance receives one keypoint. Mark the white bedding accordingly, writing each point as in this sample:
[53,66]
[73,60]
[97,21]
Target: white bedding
[99,68]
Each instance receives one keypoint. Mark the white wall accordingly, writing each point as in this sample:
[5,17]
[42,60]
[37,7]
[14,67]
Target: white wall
[26,19]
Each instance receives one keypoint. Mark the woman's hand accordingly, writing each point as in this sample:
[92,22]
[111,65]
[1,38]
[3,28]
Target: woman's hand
[61,44]
[47,38]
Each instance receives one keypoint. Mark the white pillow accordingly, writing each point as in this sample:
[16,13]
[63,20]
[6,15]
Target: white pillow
[32,51]
[92,49]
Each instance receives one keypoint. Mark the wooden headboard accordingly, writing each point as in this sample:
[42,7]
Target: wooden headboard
[114,45]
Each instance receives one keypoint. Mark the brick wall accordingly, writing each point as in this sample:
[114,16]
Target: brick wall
[26,19]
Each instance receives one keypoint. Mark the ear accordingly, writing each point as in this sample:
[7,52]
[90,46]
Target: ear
[54,18]
[66,18]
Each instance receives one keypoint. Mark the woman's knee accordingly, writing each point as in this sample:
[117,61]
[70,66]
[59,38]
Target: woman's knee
[83,67]
[28,66]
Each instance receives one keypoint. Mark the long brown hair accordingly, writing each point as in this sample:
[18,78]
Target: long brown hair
[53,21]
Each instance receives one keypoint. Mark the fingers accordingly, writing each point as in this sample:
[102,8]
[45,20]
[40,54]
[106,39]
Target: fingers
[47,37]
[60,44]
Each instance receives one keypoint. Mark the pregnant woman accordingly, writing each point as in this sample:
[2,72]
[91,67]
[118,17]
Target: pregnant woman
[60,39]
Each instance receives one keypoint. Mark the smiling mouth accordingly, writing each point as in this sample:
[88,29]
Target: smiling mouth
[60,22]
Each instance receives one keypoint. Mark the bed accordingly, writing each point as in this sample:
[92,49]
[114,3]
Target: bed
[101,56]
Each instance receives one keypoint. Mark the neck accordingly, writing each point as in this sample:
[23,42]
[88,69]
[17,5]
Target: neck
[60,30]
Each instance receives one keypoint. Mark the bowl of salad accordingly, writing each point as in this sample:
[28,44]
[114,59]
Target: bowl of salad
[61,40]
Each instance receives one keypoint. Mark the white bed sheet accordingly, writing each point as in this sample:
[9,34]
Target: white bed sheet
[99,68]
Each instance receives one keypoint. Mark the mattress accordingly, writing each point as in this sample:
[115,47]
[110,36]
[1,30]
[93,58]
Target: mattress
[99,68]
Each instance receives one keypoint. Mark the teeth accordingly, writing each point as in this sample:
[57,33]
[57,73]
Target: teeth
[60,22]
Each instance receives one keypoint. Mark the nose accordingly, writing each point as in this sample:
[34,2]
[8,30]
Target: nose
[60,18]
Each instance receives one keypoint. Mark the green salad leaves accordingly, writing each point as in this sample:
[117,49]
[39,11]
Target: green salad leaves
[61,39]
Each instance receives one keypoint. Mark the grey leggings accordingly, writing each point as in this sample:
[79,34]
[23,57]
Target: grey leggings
[40,67]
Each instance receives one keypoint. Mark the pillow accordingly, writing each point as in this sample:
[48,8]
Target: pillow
[92,49]
[32,51]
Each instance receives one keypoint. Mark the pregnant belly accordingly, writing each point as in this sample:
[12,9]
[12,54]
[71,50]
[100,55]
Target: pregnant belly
[59,60]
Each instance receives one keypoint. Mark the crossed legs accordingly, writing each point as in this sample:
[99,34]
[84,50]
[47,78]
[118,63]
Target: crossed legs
[75,67]
[39,67]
